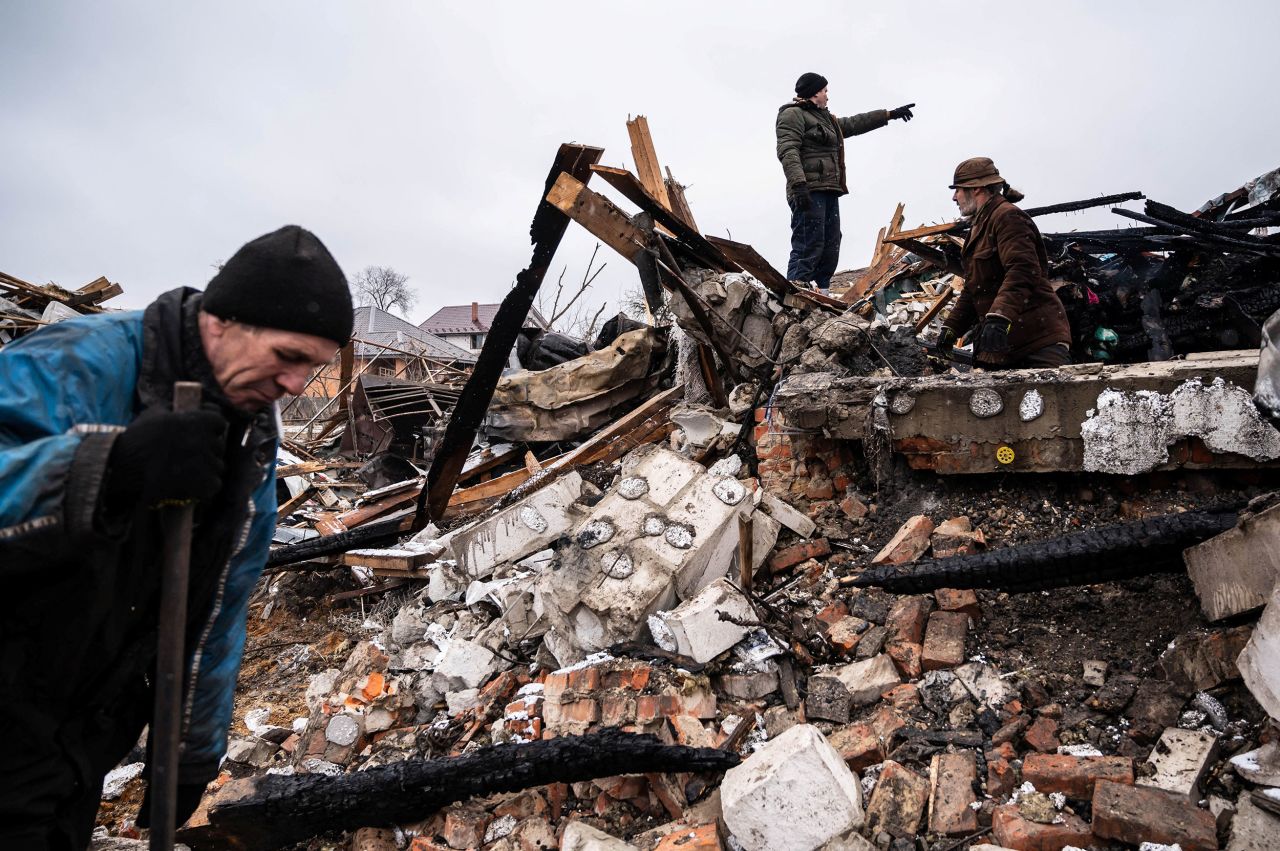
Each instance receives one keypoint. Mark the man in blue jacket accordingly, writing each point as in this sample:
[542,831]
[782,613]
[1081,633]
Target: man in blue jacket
[89,447]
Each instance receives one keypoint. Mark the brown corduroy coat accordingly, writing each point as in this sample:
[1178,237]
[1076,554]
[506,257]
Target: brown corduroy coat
[1006,273]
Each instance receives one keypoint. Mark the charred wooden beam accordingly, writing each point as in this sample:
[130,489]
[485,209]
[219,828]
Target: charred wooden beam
[270,811]
[1104,554]
[549,225]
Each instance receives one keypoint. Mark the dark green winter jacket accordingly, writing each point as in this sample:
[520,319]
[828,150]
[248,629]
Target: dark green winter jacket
[811,143]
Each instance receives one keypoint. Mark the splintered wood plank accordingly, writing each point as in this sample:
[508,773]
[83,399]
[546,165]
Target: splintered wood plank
[679,203]
[928,230]
[395,560]
[629,186]
[287,470]
[597,214]
[940,302]
[642,151]
[750,260]
[293,503]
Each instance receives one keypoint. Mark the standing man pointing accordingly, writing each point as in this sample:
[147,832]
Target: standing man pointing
[811,148]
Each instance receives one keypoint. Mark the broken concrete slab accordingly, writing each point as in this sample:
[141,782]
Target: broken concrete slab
[793,519]
[1253,828]
[520,530]
[579,836]
[695,628]
[1259,662]
[867,680]
[1181,759]
[794,792]
[463,665]
[1202,397]
[1236,571]
[1261,765]
[639,551]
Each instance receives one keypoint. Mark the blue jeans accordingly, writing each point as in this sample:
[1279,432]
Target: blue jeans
[815,239]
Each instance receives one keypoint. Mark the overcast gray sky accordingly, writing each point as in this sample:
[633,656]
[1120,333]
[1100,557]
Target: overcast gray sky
[146,140]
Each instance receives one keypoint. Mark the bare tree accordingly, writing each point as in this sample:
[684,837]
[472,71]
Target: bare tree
[384,288]
[566,313]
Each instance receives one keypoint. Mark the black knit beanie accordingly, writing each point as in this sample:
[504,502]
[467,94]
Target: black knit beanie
[286,280]
[810,84]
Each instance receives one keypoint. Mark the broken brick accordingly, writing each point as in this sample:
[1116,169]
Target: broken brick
[1043,735]
[634,678]
[1137,814]
[1002,779]
[956,537]
[690,731]
[464,827]
[908,618]
[944,640]
[858,745]
[1202,660]
[897,805]
[788,557]
[905,696]
[1075,776]
[522,805]
[1013,831]
[909,543]
[845,634]
[953,776]
[959,600]
[704,837]
[534,834]
[831,614]
[907,657]
[853,508]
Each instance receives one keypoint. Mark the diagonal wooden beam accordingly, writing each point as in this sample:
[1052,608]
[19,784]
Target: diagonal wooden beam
[646,158]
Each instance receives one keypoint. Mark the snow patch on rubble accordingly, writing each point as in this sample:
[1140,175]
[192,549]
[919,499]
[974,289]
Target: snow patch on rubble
[595,533]
[729,491]
[633,487]
[617,564]
[530,517]
[1130,432]
[118,778]
[1031,406]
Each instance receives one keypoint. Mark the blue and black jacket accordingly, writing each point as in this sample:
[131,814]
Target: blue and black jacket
[77,644]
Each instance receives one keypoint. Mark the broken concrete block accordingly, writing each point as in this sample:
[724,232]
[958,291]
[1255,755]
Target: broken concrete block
[952,777]
[1198,661]
[1261,766]
[1135,814]
[463,665]
[1237,570]
[898,803]
[254,751]
[1259,663]
[1181,759]
[795,792]
[909,543]
[793,519]
[827,700]
[745,684]
[1095,672]
[518,530]
[1075,776]
[343,729]
[944,640]
[866,681]
[1013,831]
[695,628]
[1253,828]
[636,553]
[579,836]
[983,683]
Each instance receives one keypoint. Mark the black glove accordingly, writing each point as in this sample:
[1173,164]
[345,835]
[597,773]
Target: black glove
[800,195]
[947,340]
[164,456]
[993,336]
[189,795]
[903,112]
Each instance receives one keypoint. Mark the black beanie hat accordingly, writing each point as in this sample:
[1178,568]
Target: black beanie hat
[810,84]
[285,280]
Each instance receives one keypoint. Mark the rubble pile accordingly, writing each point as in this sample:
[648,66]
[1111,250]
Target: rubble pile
[679,531]
[25,307]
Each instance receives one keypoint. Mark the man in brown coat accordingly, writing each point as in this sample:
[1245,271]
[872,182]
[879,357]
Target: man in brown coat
[1020,321]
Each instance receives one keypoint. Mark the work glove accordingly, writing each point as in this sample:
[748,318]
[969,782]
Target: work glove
[167,457]
[800,196]
[947,340]
[903,112]
[993,337]
[189,795]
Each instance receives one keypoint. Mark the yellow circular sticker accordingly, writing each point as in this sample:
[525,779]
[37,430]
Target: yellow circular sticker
[1005,455]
